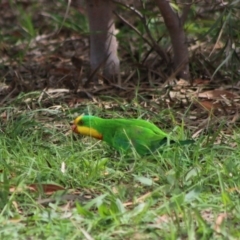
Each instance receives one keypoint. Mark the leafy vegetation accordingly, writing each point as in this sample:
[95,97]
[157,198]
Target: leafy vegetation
[56,185]
[181,192]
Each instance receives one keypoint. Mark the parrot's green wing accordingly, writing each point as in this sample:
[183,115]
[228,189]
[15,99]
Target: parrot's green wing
[143,140]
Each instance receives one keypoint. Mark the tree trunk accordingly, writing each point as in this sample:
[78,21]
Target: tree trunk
[103,43]
[175,28]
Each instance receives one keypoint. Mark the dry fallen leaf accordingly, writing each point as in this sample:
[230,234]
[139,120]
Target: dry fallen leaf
[219,221]
[46,188]
[217,94]
[199,81]
[15,204]
[209,105]
[138,200]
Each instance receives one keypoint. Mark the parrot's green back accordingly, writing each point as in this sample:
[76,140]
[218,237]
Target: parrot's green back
[127,134]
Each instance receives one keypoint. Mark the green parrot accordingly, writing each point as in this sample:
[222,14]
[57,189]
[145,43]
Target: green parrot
[124,134]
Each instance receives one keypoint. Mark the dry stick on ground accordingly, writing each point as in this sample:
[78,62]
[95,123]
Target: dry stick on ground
[18,81]
[150,51]
[94,72]
[6,98]
[78,64]
[174,74]
[177,35]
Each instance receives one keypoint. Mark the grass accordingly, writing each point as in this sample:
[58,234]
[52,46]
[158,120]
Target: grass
[183,192]
[188,192]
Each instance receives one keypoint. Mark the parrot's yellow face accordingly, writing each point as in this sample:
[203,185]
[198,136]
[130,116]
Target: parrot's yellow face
[82,127]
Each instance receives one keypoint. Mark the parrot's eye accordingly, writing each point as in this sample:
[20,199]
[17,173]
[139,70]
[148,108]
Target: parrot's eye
[80,122]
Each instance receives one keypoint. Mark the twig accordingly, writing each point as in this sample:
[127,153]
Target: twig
[92,75]
[152,43]
[65,16]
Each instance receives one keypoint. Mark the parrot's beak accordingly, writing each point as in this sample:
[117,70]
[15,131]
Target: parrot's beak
[74,128]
